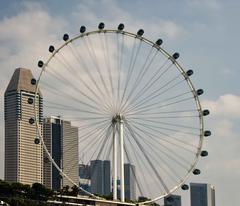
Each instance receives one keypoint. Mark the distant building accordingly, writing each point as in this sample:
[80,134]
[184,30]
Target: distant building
[172,200]
[61,140]
[130,181]
[202,194]
[100,177]
[23,158]
[85,179]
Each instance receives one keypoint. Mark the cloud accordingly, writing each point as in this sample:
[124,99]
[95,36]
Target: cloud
[91,13]
[225,106]
[205,4]
[24,39]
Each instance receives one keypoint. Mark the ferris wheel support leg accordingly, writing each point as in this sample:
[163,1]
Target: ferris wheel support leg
[114,163]
[122,183]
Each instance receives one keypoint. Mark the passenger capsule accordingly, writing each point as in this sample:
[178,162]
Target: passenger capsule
[33,81]
[120,27]
[31,120]
[185,187]
[36,140]
[30,100]
[101,26]
[170,199]
[205,112]
[176,55]
[196,172]
[82,29]
[65,37]
[204,153]
[189,72]
[207,133]
[51,49]
[46,160]
[200,92]
[159,42]
[40,63]
[140,32]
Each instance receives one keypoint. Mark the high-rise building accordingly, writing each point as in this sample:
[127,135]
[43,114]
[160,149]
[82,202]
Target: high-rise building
[172,200]
[85,180]
[202,194]
[130,181]
[61,140]
[23,158]
[100,177]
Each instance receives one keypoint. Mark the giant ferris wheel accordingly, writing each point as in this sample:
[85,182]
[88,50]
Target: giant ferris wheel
[132,102]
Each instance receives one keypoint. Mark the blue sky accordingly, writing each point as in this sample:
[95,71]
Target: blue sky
[204,32]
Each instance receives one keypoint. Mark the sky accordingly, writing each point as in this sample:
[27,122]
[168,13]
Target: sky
[204,32]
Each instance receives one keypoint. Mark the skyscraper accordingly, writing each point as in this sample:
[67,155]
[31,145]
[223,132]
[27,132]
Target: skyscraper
[85,180]
[61,139]
[23,158]
[202,194]
[172,200]
[100,177]
[130,181]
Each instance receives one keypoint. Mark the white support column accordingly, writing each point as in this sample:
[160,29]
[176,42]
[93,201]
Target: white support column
[122,183]
[114,163]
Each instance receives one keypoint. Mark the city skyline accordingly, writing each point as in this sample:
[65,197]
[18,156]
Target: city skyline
[200,41]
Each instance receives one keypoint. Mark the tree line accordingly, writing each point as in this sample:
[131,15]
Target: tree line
[37,194]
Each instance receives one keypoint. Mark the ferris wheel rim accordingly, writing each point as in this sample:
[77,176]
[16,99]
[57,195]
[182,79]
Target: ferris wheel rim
[167,55]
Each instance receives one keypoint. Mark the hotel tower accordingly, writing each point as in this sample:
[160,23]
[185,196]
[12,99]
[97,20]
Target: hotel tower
[23,158]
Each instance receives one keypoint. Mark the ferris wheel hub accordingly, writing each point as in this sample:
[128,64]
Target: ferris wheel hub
[117,118]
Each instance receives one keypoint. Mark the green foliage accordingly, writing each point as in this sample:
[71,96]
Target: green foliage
[24,195]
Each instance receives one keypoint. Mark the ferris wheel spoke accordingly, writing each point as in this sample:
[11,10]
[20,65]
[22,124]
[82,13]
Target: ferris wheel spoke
[180,160]
[165,123]
[94,127]
[68,83]
[164,134]
[142,109]
[105,50]
[95,143]
[153,148]
[120,53]
[156,93]
[159,128]
[139,186]
[93,132]
[170,141]
[160,179]
[54,90]
[92,54]
[155,77]
[76,55]
[162,112]
[84,126]
[143,104]
[102,145]
[142,72]
[141,165]
[70,108]
[134,57]
[87,70]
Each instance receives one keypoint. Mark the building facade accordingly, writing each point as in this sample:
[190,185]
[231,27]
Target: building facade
[61,140]
[100,177]
[23,158]
[130,181]
[172,200]
[202,194]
